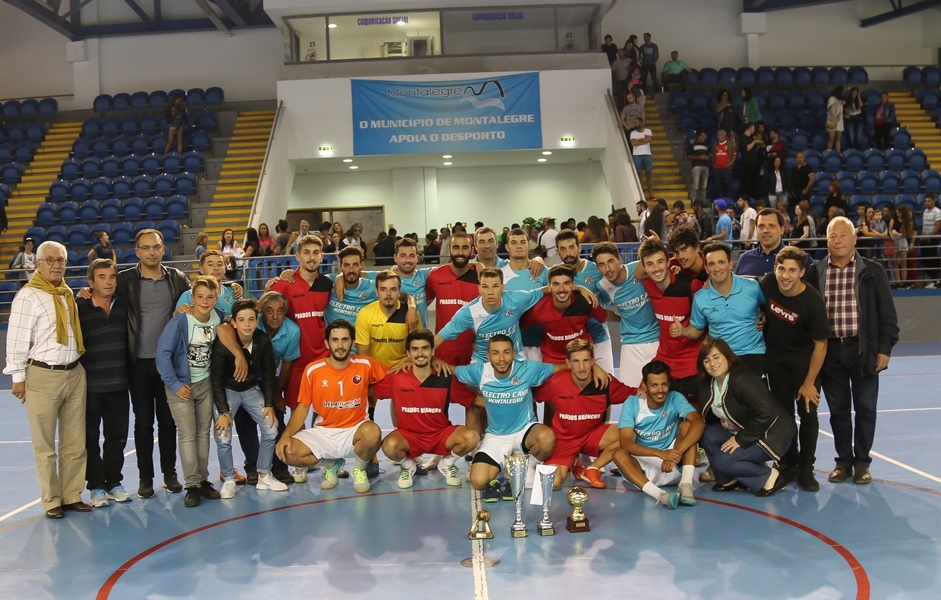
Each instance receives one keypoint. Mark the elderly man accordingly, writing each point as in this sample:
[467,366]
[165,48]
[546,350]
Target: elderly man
[863,330]
[44,342]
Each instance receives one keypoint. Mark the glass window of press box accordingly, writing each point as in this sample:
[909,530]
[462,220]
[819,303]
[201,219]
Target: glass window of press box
[503,30]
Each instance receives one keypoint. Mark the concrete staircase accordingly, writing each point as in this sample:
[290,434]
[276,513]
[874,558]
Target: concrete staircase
[33,189]
[667,177]
[233,196]
[924,132]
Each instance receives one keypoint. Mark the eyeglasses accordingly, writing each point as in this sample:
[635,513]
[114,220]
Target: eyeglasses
[54,262]
[155,248]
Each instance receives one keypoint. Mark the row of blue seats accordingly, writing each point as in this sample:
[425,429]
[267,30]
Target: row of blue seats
[886,182]
[122,145]
[795,99]
[24,132]
[121,234]
[916,202]
[27,110]
[798,140]
[22,152]
[93,127]
[11,173]
[112,210]
[928,99]
[133,165]
[705,119]
[930,75]
[157,100]
[123,186]
[778,77]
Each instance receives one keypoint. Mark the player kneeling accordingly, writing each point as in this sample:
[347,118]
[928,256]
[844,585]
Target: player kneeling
[336,388]
[659,431]
[578,419]
[421,399]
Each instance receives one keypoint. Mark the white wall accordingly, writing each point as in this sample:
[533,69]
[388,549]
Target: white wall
[32,57]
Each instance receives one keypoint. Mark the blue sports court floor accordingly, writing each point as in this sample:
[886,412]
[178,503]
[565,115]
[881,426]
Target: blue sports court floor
[846,541]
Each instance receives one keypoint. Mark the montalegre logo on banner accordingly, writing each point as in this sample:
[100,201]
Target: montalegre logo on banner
[476,115]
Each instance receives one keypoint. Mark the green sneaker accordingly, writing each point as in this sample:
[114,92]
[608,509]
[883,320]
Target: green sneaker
[405,478]
[491,493]
[360,481]
[330,475]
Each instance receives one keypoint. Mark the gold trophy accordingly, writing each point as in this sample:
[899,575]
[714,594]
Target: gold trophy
[480,530]
[577,522]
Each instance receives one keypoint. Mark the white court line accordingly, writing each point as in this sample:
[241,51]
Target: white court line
[480,568]
[895,462]
[17,511]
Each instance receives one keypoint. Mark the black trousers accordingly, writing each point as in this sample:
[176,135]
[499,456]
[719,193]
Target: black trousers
[928,251]
[883,137]
[786,379]
[247,429]
[652,70]
[110,411]
[149,400]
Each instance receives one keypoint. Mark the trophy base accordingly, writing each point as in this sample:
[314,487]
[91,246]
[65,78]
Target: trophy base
[546,530]
[480,535]
[519,533]
[577,526]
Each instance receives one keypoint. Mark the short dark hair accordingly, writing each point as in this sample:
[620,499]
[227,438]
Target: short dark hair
[351,251]
[680,205]
[722,346]
[405,242]
[97,265]
[144,232]
[655,367]
[500,337]
[387,275]
[603,248]
[791,253]
[764,212]
[490,273]
[516,231]
[643,203]
[717,247]
[650,247]
[340,324]
[243,304]
[682,237]
[564,270]
[566,234]
[422,334]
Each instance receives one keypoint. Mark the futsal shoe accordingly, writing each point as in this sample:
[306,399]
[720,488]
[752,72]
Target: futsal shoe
[372,468]
[578,471]
[299,474]
[506,492]
[686,494]
[491,493]
[406,480]
[330,475]
[669,499]
[119,494]
[228,489]
[360,481]
[451,474]
[270,482]
[99,498]
[593,476]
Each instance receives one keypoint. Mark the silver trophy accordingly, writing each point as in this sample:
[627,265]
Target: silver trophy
[516,473]
[545,526]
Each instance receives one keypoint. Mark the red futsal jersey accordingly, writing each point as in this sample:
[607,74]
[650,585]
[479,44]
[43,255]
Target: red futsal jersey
[421,406]
[701,276]
[452,293]
[680,353]
[562,326]
[579,412]
[306,305]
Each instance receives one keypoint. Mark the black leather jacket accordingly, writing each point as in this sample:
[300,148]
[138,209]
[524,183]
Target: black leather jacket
[129,290]
[261,371]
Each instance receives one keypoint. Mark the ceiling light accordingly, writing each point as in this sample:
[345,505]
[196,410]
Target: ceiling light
[332,25]
[353,167]
[546,153]
[448,163]
[446,156]
[541,160]
[347,160]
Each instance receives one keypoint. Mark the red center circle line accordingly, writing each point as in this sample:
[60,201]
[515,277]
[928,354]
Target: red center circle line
[863,588]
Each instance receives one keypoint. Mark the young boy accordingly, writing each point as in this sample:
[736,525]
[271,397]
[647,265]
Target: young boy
[183,360]
[255,395]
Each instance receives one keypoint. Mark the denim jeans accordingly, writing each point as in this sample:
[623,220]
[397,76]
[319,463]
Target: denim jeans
[854,130]
[745,465]
[193,421]
[253,402]
[842,368]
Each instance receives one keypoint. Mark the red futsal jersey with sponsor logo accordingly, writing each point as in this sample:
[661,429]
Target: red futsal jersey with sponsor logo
[680,353]
[578,412]
[340,397]
[452,292]
[421,406]
[306,305]
[562,326]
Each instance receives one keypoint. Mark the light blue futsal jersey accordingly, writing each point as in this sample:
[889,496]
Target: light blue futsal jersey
[414,286]
[733,319]
[485,325]
[524,281]
[638,323]
[353,300]
[589,278]
[501,262]
[224,302]
[655,429]
[509,400]
[286,343]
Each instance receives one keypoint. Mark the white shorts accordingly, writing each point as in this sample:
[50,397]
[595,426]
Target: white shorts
[653,471]
[498,446]
[532,353]
[328,442]
[633,359]
[604,355]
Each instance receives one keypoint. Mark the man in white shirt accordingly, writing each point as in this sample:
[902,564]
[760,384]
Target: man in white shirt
[930,230]
[643,159]
[547,241]
[747,223]
[44,342]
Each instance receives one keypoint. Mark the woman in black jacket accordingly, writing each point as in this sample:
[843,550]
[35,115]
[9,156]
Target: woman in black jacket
[745,427]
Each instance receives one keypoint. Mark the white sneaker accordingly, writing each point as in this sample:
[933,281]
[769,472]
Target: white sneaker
[686,494]
[931,286]
[99,498]
[360,481]
[228,489]
[119,494]
[406,480]
[330,474]
[451,474]
[299,474]
[268,482]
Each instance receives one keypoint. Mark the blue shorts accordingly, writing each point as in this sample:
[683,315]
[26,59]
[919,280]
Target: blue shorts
[643,163]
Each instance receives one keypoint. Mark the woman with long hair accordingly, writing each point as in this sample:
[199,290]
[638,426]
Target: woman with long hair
[624,231]
[176,115]
[597,231]
[265,241]
[902,230]
[753,151]
[228,245]
[777,183]
[835,118]
[805,229]
[202,243]
[251,242]
[656,223]
[855,118]
[745,426]
[726,114]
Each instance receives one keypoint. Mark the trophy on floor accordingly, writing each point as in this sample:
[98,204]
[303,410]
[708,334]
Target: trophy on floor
[577,522]
[480,530]
[516,466]
[546,480]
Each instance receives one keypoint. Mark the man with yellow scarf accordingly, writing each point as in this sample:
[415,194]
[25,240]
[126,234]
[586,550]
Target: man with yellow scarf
[44,342]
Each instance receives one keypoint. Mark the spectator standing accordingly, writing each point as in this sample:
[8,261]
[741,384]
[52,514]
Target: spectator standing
[802,180]
[707,226]
[620,76]
[104,327]
[384,248]
[26,260]
[547,241]
[747,229]
[855,118]
[432,251]
[610,48]
[282,237]
[649,56]
[805,228]
[884,120]
[723,231]
[929,240]
[724,154]
[835,198]
[624,231]
[863,330]
[753,149]
[176,116]
[774,147]
[902,230]
[103,249]
[777,182]
[630,49]
[44,343]
[643,159]
[675,71]
[751,113]
[697,152]
[596,231]
[726,114]
[835,118]
[631,112]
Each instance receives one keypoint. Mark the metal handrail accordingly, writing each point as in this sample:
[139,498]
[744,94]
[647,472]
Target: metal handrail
[262,178]
[613,113]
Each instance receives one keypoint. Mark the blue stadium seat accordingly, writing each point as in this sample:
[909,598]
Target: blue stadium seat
[158,100]
[881,200]
[853,160]
[679,101]
[170,230]
[832,160]
[71,169]
[818,141]
[902,139]
[111,166]
[764,77]
[196,97]
[94,229]
[140,101]
[816,100]
[164,184]
[783,77]
[215,96]
[820,76]
[912,76]
[155,208]
[802,76]
[910,182]
[149,125]
[81,148]
[186,184]
[915,159]
[121,102]
[16,133]
[11,173]
[173,163]
[787,120]
[867,182]
[91,167]
[76,284]
[889,182]
[858,76]
[122,233]
[686,123]
[101,147]
[11,110]
[708,77]
[8,290]
[152,164]
[122,187]
[931,76]
[89,211]
[201,141]
[59,190]
[133,209]
[777,101]
[47,214]
[144,225]
[68,212]
[111,210]
[131,165]
[111,126]
[698,101]
[904,199]
[130,257]
[141,145]
[193,161]
[130,126]
[822,181]
[80,190]
[847,181]
[727,76]
[102,104]
[57,233]
[29,109]
[931,181]
[798,141]
[874,159]
[37,233]
[919,203]
[177,207]
[894,159]
[79,235]
[692,80]
[857,200]
[121,146]
[143,186]
[35,132]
